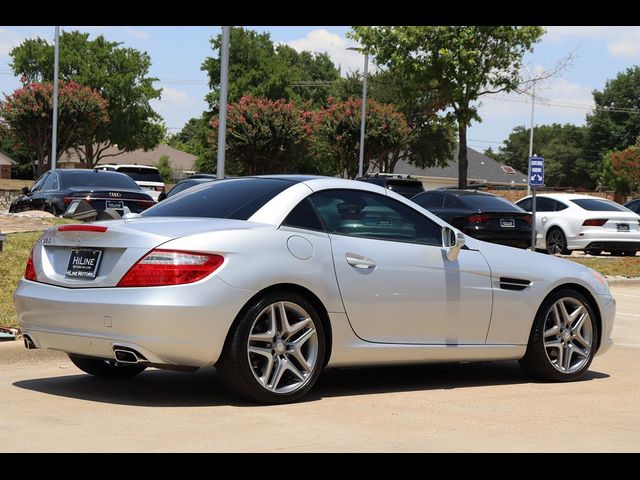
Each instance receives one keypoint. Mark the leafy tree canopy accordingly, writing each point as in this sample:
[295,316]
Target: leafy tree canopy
[120,75]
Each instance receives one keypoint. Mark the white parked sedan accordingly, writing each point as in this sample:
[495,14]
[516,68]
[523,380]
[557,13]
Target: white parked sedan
[270,279]
[568,221]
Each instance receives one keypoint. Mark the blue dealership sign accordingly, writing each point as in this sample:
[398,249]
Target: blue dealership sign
[536,171]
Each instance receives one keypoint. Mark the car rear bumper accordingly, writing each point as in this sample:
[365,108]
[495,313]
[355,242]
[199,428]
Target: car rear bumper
[176,325]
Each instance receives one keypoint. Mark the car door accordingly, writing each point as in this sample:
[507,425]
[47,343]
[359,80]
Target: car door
[32,199]
[395,282]
[545,213]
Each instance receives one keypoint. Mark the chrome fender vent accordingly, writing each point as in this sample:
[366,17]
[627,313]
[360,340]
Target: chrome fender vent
[507,283]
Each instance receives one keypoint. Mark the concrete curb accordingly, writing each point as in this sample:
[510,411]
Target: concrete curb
[623,281]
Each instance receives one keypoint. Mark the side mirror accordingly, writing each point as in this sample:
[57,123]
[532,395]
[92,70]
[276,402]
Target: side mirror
[452,242]
[24,190]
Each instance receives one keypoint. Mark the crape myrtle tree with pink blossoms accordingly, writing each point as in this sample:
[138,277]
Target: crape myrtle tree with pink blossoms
[336,136]
[27,115]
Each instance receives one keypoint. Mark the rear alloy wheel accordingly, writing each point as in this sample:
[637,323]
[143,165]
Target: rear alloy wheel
[563,339]
[557,242]
[106,368]
[276,351]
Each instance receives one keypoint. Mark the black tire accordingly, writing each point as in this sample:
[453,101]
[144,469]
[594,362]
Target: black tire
[630,253]
[593,252]
[106,368]
[556,242]
[537,361]
[234,367]
[617,253]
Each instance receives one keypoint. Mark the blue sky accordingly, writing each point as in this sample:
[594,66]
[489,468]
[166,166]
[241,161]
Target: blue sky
[177,53]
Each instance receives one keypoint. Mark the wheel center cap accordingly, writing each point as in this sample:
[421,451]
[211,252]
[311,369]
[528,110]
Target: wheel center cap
[280,346]
[566,335]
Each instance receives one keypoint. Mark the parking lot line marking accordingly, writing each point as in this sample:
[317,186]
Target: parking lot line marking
[628,314]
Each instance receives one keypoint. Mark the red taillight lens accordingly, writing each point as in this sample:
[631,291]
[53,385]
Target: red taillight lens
[170,267]
[82,228]
[30,270]
[528,219]
[595,222]
[478,218]
[159,189]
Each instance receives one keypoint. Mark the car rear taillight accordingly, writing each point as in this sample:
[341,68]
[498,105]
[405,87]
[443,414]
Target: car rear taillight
[30,270]
[478,218]
[160,189]
[528,219]
[170,267]
[595,222]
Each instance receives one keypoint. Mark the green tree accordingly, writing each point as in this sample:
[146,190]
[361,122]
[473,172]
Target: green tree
[164,167]
[264,136]
[194,139]
[433,138]
[259,68]
[615,124]
[337,136]
[28,115]
[459,64]
[120,75]
[568,161]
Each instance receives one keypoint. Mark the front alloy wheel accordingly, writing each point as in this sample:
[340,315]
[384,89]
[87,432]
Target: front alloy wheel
[563,339]
[275,352]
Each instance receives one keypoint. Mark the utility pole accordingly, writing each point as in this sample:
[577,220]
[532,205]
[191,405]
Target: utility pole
[363,113]
[222,103]
[54,128]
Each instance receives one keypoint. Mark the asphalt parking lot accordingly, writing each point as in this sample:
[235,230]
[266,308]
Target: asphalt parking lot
[46,404]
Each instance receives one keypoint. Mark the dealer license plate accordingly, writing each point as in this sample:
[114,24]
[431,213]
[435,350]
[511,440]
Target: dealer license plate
[84,263]
[507,223]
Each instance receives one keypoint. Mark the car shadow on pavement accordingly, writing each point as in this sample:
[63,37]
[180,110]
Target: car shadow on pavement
[159,388]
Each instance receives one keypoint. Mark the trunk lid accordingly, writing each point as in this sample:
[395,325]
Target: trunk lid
[115,250]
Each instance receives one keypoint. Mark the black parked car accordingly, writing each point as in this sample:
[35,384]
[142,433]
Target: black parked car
[55,190]
[187,183]
[403,185]
[634,205]
[481,215]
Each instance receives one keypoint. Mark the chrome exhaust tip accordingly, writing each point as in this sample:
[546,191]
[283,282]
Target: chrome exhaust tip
[128,355]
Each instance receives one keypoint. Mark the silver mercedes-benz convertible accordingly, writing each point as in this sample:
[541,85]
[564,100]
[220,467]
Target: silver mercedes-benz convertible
[270,279]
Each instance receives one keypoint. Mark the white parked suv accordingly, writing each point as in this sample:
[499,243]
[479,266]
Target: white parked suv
[566,221]
[148,178]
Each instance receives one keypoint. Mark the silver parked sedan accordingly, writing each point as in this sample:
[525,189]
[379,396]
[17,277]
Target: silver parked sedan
[270,279]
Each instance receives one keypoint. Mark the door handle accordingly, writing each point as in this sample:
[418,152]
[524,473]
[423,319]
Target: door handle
[544,219]
[359,261]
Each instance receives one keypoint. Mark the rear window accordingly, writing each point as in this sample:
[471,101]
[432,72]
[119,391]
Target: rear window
[236,198]
[597,205]
[141,174]
[489,203]
[97,179]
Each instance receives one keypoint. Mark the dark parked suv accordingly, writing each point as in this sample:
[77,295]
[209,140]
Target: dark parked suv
[404,185]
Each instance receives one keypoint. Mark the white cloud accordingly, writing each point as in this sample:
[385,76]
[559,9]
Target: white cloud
[8,40]
[140,34]
[335,46]
[622,41]
[173,100]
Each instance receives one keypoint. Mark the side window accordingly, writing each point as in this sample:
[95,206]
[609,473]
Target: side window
[560,206]
[365,214]
[38,185]
[50,183]
[304,216]
[525,204]
[544,204]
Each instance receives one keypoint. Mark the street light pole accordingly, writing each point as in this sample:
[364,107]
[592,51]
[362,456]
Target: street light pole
[222,103]
[54,128]
[533,103]
[363,113]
